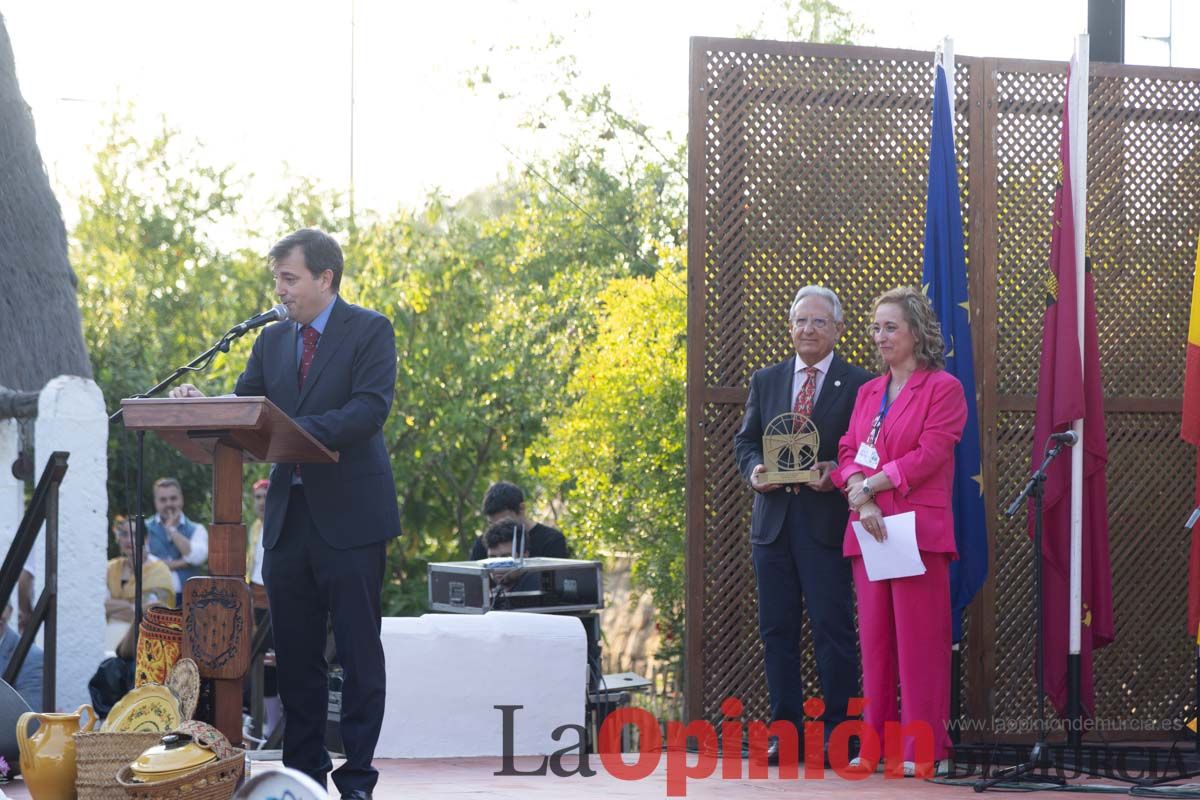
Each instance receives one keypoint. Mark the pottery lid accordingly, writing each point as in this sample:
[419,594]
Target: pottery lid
[175,753]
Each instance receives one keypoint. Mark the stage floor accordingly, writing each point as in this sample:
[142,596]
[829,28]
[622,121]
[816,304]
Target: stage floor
[473,778]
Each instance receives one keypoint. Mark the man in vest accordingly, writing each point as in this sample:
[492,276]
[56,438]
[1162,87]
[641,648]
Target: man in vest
[174,538]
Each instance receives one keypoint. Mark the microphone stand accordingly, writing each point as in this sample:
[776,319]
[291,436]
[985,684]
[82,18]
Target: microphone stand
[1035,487]
[197,364]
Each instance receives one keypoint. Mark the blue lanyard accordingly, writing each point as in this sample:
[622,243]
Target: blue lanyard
[884,407]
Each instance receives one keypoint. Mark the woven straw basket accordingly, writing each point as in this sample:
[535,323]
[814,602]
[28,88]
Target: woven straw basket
[215,781]
[99,756]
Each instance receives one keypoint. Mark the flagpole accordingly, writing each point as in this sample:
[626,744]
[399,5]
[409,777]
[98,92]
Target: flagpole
[1077,93]
[947,61]
[944,56]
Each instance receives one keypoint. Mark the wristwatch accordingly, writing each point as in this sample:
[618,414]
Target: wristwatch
[865,486]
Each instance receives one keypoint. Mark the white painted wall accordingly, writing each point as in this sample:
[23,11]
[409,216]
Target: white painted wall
[71,417]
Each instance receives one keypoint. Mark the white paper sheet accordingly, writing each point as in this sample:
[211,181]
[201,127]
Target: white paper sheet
[896,556]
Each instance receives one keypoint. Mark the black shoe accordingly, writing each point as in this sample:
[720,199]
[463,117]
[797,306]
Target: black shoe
[356,794]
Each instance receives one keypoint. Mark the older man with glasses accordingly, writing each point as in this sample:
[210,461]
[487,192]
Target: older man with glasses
[796,530]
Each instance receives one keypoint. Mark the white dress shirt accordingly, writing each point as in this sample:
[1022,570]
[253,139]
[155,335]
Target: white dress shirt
[799,376]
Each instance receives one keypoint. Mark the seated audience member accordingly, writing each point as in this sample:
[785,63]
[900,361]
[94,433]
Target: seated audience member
[255,551]
[25,585]
[156,576]
[254,544]
[505,501]
[178,541]
[29,679]
[500,539]
[157,586]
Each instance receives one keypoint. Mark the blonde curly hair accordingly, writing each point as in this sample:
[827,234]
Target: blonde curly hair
[929,348]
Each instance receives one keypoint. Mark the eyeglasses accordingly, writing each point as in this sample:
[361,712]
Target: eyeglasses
[817,323]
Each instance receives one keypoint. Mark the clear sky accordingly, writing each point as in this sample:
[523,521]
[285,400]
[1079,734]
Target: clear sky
[266,83]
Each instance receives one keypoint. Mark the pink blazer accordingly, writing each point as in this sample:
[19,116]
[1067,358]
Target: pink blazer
[916,451]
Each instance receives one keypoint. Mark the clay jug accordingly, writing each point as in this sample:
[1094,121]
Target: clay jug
[48,756]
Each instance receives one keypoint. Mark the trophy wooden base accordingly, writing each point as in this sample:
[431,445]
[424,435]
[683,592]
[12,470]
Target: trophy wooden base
[793,476]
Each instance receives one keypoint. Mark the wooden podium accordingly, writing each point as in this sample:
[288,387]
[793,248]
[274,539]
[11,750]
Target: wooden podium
[218,615]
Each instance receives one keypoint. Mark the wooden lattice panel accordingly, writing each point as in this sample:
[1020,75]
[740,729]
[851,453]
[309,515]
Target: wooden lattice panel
[730,610]
[808,165]
[1012,573]
[1146,673]
[1142,208]
[814,171]
[792,142]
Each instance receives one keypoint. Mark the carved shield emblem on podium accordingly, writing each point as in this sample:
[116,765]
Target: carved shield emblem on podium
[217,626]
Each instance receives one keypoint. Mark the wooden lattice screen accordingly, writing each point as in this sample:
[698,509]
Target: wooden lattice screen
[808,164]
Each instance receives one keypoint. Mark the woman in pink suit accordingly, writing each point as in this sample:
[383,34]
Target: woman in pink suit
[898,456]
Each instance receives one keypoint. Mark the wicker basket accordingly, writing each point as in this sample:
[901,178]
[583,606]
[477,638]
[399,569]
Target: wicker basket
[99,756]
[215,781]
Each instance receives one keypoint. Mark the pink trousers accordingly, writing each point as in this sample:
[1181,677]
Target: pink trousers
[904,628]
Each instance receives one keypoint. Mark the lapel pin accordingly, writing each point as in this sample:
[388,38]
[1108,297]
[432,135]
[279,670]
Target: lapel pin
[837,383]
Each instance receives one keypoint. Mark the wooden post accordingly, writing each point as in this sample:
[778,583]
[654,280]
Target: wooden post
[218,615]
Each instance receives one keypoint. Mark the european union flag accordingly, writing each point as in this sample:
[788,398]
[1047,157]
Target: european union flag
[945,282]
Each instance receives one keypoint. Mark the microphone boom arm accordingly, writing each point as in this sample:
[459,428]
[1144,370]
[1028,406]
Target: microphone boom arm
[197,364]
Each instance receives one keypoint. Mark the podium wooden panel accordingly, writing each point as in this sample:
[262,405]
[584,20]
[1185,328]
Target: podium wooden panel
[253,425]
[225,432]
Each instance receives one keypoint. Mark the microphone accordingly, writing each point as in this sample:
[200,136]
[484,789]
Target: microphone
[1069,438]
[279,312]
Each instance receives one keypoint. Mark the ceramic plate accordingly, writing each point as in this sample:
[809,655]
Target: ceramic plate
[184,683]
[150,708]
[281,784]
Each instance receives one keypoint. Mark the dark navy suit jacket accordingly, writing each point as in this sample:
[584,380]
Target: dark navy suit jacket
[346,399]
[770,396]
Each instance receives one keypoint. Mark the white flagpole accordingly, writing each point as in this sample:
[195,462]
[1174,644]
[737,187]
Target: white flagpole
[944,55]
[1078,93]
[947,61]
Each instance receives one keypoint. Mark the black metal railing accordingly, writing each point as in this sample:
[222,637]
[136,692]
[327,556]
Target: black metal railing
[42,508]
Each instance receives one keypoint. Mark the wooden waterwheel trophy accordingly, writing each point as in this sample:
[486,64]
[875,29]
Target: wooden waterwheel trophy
[790,446]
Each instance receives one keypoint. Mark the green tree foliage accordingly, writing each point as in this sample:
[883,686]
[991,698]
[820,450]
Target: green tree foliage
[615,451]
[155,288]
[492,301]
[540,322]
[490,313]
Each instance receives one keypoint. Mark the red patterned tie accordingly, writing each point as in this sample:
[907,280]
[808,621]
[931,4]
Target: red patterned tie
[804,397]
[310,335]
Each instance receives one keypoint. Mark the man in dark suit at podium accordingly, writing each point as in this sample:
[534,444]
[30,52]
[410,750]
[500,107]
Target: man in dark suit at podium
[332,368]
[796,530]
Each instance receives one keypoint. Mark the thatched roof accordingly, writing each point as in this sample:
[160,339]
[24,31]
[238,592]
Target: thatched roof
[40,331]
